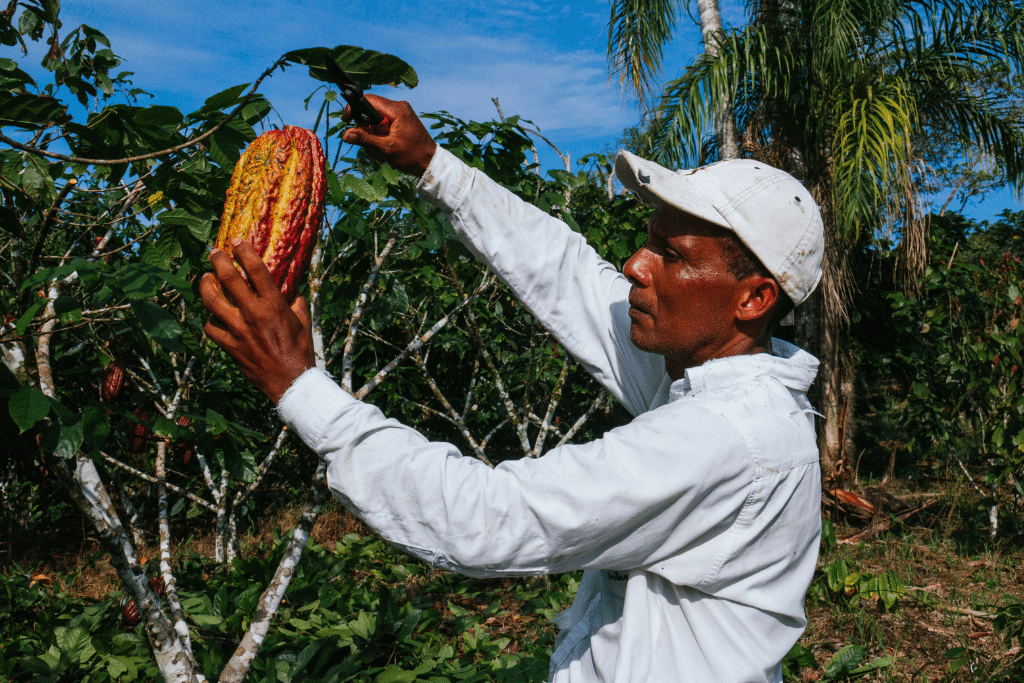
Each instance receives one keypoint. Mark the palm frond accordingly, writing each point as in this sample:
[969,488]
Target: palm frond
[638,31]
[871,153]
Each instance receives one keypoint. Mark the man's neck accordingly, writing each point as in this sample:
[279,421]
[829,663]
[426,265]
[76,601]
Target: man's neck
[741,346]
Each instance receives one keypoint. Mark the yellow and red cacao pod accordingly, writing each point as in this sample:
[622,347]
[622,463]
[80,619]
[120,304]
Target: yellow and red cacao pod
[113,380]
[276,202]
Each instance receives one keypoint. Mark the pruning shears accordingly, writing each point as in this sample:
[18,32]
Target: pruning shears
[363,113]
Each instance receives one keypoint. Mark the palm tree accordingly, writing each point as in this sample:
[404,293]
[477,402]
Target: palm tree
[841,93]
[637,33]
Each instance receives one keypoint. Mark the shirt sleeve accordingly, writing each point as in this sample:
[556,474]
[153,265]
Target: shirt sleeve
[575,294]
[615,503]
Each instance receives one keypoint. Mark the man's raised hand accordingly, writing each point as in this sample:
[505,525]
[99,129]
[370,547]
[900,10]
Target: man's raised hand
[406,146]
[271,341]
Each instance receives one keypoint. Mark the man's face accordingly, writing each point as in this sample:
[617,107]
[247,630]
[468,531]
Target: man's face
[684,298]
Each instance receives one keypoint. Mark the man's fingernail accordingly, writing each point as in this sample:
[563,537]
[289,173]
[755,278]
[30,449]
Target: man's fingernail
[235,241]
[213,251]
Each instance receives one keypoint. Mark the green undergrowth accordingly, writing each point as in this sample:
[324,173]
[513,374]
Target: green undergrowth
[911,604]
[360,611]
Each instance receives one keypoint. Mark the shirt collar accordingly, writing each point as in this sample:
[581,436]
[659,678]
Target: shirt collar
[787,363]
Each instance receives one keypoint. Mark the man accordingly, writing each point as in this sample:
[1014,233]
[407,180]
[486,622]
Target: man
[697,523]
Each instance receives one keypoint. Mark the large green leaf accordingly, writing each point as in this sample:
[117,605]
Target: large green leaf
[160,325]
[30,111]
[64,436]
[367,67]
[27,406]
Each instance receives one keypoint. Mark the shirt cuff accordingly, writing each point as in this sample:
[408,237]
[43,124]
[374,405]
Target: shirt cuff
[445,180]
[310,403]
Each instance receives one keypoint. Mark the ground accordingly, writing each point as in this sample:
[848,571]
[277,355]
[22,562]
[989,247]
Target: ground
[932,617]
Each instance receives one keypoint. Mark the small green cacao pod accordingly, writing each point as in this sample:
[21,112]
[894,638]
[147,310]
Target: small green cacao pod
[276,201]
[113,380]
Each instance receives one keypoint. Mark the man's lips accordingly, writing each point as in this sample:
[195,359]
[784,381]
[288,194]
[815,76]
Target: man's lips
[635,307]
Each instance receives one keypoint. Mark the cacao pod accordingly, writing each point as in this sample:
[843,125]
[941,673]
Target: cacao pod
[184,421]
[130,615]
[113,380]
[157,584]
[140,432]
[276,201]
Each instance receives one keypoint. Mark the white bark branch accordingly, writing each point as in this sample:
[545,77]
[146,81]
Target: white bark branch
[270,601]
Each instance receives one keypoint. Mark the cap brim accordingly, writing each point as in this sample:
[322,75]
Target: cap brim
[654,184]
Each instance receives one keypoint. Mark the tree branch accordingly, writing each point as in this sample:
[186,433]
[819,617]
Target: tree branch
[357,313]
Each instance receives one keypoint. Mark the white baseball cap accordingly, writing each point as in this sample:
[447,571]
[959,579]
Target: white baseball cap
[768,209]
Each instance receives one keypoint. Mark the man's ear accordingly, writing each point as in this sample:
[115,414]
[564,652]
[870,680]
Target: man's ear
[760,294]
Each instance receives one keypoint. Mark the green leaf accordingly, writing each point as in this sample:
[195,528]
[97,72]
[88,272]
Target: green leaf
[75,642]
[95,427]
[215,422]
[67,309]
[115,667]
[165,427]
[64,436]
[36,665]
[242,466]
[221,100]
[362,189]
[836,576]
[178,506]
[29,315]
[843,661]
[27,406]
[367,67]
[159,325]
[30,111]
[306,656]
[828,533]
[47,274]
[394,674]
[880,663]
[208,620]
[201,226]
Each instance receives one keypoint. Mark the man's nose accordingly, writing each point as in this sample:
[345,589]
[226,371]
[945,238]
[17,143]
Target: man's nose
[636,268]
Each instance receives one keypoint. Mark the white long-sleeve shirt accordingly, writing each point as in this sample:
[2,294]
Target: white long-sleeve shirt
[697,523]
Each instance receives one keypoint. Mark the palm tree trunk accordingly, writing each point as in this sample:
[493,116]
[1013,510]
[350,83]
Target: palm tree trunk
[725,124]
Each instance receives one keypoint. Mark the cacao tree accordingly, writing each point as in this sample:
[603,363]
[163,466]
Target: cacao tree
[109,385]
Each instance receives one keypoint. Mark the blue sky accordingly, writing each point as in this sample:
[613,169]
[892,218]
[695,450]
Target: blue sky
[545,61]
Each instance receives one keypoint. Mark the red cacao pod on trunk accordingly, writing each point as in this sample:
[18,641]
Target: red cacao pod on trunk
[113,380]
[182,446]
[130,616]
[276,202]
[157,584]
[140,432]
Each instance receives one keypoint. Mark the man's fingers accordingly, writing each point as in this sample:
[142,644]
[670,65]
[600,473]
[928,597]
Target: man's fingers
[232,284]
[356,136]
[301,310]
[215,301]
[256,269]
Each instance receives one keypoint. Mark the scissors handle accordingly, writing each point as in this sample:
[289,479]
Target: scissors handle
[363,113]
